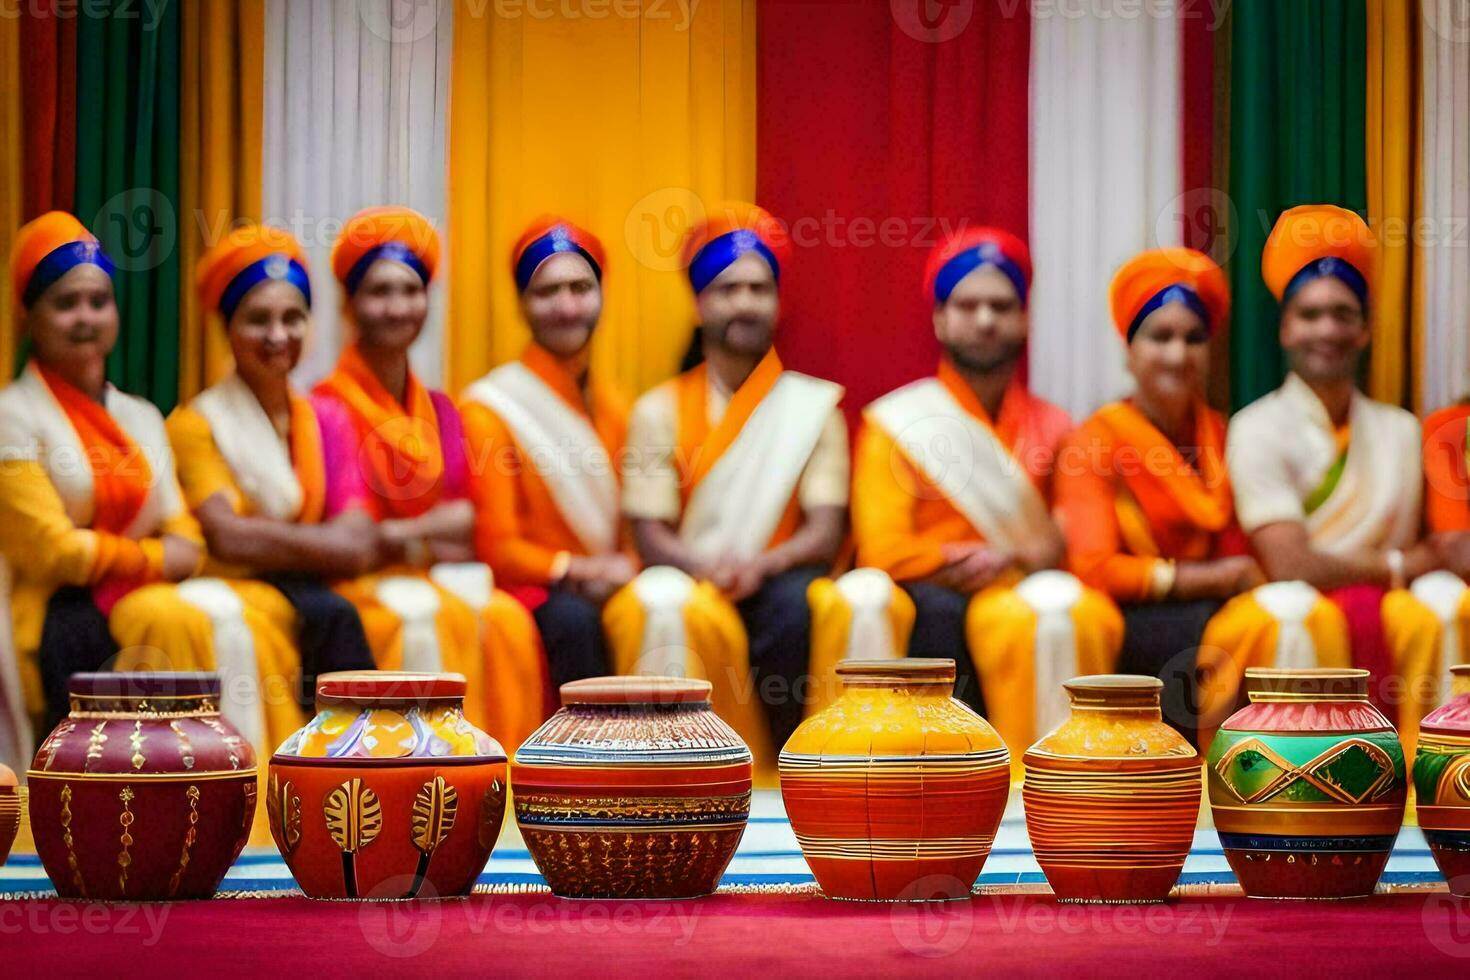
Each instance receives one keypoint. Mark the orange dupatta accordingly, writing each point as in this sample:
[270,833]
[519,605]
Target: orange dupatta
[308,461]
[121,481]
[399,449]
[1183,505]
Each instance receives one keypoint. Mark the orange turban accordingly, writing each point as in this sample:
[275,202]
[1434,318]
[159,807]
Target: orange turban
[243,259]
[47,249]
[1316,240]
[1161,276]
[396,233]
[965,251]
[546,236]
[734,229]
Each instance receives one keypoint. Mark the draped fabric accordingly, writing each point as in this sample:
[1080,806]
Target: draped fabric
[356,95]
[1392,160]
[47,63]
[878,134]
[222,44]
[629,126]
[127,180]
[1105,90]
[1296,136]
[11,201]
[1442,269]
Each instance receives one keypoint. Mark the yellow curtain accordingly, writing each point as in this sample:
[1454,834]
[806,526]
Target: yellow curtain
[1392,146]
[626,125]
[223,47]
[10,198]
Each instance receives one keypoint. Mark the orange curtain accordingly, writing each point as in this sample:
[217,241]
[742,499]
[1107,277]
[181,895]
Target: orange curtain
[1392,133]
[628,125]
[223,55]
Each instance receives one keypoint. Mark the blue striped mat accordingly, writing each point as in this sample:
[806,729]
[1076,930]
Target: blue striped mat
[769,856]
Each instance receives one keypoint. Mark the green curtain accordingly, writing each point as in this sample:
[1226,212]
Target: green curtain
[127,179]
[1297,102]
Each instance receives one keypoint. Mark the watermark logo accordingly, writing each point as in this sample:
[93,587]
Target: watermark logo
[932,21]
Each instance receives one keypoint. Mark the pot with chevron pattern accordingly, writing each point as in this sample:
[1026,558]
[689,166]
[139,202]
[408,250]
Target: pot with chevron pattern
[896,790]
[389,792]
[1307,785]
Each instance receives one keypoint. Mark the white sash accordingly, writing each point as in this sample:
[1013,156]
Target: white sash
[258,457]
[1442,592]
[737,506]
[1289,603]
[869,593]
[1376,501]
[963,458]
[562,448]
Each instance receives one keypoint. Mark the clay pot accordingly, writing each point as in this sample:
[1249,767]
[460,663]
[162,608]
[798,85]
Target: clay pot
[1112,795]
[389,792]
[895,791]
[1442,784]
[634,789]
[1307,785]
[143,791]
[10,807]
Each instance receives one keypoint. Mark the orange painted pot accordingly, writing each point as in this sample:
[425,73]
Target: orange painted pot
[9,811]
[389,792]
[1307,785]
[1442,784]
[895,791]
[635,788]
[143,791]
[1112,795]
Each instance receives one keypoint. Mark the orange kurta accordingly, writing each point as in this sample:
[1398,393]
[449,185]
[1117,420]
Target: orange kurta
[1446,477]
[901,520]
[1127,499]
[519,529]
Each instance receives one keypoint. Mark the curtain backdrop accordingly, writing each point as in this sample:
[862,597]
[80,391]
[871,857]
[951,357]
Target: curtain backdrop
[1296,136]
[1106,183]
[11,213]
[127,179]
[355,108]
[1442,273]
[223,52]
[879,131]
[629,125]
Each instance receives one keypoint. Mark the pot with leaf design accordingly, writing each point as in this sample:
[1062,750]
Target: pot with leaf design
[389,792]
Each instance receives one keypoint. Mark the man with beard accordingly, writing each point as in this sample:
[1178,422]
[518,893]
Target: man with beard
[951,500]
[736,481]
[542,436]
[1327,481]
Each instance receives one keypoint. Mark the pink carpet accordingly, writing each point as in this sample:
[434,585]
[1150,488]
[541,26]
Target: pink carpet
[765,935]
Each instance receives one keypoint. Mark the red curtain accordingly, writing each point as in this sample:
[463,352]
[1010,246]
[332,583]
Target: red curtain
[48,78]
[881,126]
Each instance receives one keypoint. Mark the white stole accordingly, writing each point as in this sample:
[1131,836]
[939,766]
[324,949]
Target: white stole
[739,503]
[562,448]
[258,457]
[1376,501]
[964,459]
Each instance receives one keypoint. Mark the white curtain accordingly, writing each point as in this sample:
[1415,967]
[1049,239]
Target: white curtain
[1105,167]
[356,104]
[1445,254]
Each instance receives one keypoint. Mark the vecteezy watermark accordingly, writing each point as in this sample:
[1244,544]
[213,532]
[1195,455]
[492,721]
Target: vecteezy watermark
[1203,218]
[936,21]
[1446,922]
[1017,914]
[680,12]
[404,21]
[145,921]
[1447,19]
[138,228]
[149,12]
[927,922]
[407,929]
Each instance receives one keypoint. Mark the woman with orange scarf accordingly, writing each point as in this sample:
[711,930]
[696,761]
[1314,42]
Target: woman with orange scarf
[399,448]
[1144,497]
[93,526]
[250,463]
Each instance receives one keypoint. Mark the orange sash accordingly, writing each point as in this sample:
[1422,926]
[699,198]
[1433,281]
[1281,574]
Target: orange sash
[1183,505]
[700,447]
[121,476]
[307,460]
[602,407]
[399,449]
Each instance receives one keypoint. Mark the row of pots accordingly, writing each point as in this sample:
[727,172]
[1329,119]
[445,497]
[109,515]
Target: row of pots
[635,788]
